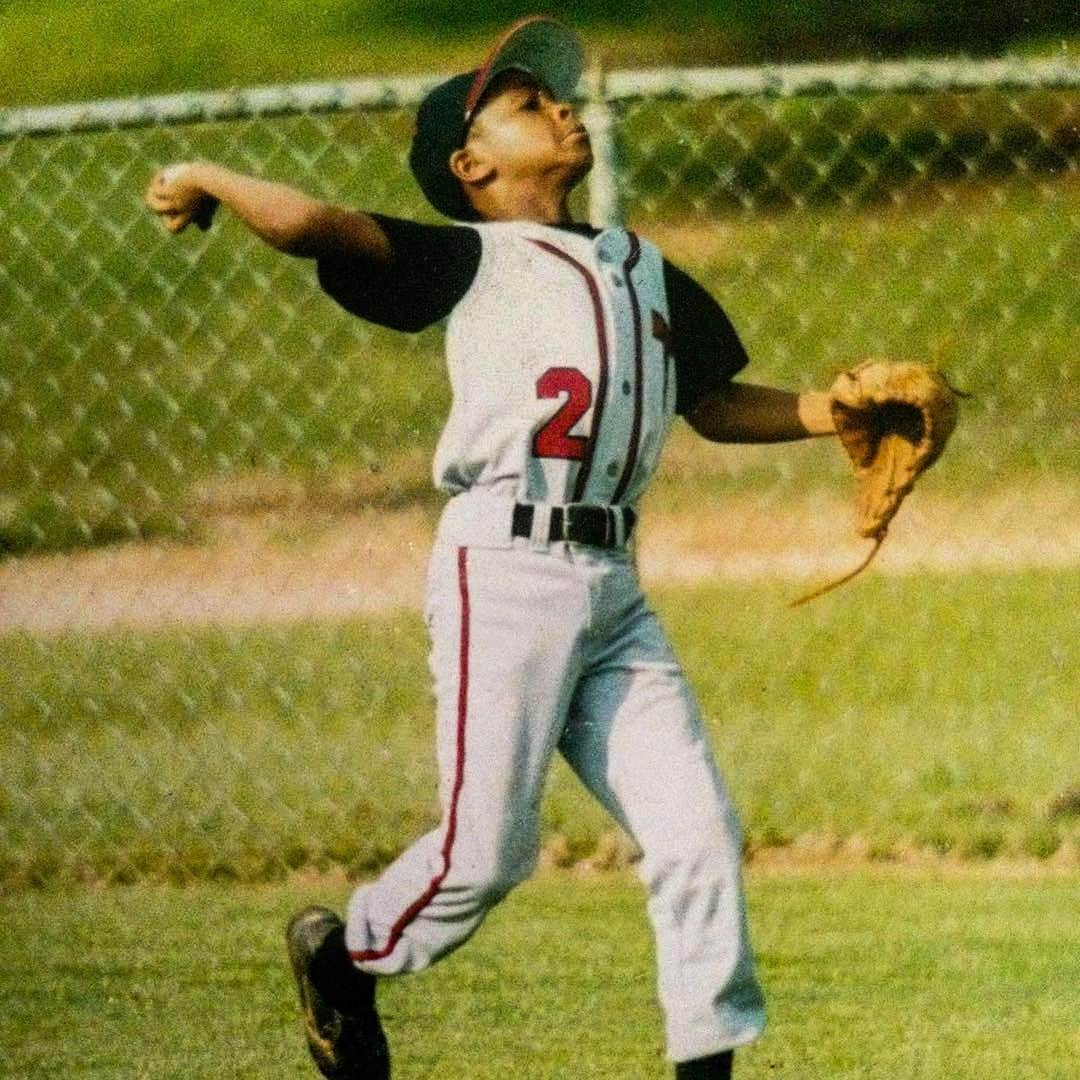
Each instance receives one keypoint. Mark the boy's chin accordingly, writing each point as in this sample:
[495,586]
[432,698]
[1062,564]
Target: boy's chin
[581,169]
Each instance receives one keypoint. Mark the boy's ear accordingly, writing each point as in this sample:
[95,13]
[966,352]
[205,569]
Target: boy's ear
[470,167]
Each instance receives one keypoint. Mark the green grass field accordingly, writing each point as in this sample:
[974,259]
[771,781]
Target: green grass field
[870,974]
[934,714]
[903,754]
[75,50]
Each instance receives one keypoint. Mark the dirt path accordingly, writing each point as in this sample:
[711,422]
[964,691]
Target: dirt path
[275,567]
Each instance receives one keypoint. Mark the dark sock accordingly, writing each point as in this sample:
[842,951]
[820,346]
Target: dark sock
[716,1067]
[336,977]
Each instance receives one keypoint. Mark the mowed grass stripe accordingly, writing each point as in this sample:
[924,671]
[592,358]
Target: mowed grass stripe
[869,974]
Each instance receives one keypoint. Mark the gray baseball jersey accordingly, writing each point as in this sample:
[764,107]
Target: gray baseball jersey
[551,402]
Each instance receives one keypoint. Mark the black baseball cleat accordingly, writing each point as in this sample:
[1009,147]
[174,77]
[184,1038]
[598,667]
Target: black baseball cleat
[342,1026]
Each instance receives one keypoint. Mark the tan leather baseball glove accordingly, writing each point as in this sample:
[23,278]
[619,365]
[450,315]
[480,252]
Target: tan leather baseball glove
[894,420]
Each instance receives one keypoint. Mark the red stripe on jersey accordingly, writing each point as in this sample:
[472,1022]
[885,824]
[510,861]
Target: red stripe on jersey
[639,373]
[602,348]
[418,905]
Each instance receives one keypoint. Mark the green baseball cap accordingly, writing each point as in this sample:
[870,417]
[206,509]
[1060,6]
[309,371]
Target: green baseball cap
[541,46]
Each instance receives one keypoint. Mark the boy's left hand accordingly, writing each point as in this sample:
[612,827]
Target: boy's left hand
[178,200]
[893,420]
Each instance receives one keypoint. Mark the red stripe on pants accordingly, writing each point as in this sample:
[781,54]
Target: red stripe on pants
[418,905]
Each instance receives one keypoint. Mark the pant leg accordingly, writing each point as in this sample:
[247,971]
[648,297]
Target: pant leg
[505,625]
[635,738]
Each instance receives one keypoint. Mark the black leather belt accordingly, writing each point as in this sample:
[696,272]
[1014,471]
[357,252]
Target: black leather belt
[579,523]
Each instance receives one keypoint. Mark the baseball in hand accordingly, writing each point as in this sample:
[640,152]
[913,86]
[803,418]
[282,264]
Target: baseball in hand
[175,197]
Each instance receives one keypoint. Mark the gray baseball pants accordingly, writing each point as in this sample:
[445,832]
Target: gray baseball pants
[538,648]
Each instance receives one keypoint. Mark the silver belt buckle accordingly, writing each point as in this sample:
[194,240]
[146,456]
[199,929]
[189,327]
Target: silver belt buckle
[566,522]
[540,534]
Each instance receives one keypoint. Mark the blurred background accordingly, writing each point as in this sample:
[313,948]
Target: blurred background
[79,49]
[215,499]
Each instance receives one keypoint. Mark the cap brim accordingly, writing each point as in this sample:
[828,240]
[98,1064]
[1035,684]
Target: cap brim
[540,46]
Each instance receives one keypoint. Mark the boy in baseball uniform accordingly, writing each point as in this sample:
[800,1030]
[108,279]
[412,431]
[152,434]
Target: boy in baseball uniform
[570,350]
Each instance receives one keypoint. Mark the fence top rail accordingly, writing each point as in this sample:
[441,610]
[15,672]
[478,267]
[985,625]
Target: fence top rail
[400,92]
[195,106]
[863,76]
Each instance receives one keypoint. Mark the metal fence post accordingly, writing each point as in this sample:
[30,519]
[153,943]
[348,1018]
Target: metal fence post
[605,208]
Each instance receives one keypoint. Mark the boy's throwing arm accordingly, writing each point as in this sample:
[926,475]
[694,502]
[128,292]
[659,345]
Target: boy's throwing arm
[285,218]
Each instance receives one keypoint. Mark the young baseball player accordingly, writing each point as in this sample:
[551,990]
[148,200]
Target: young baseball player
[570,351]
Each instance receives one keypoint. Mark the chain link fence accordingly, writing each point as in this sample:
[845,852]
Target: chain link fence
[185,422]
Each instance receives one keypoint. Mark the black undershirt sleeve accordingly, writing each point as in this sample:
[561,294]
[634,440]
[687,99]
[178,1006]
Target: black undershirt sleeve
[706,347]
[431,269]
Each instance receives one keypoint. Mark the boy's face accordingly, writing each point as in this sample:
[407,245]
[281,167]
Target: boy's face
[522,131]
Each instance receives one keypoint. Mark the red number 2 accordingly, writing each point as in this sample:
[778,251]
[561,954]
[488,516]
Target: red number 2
[554,440]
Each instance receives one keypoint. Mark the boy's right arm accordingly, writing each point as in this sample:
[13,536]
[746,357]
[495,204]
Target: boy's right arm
[282,216]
